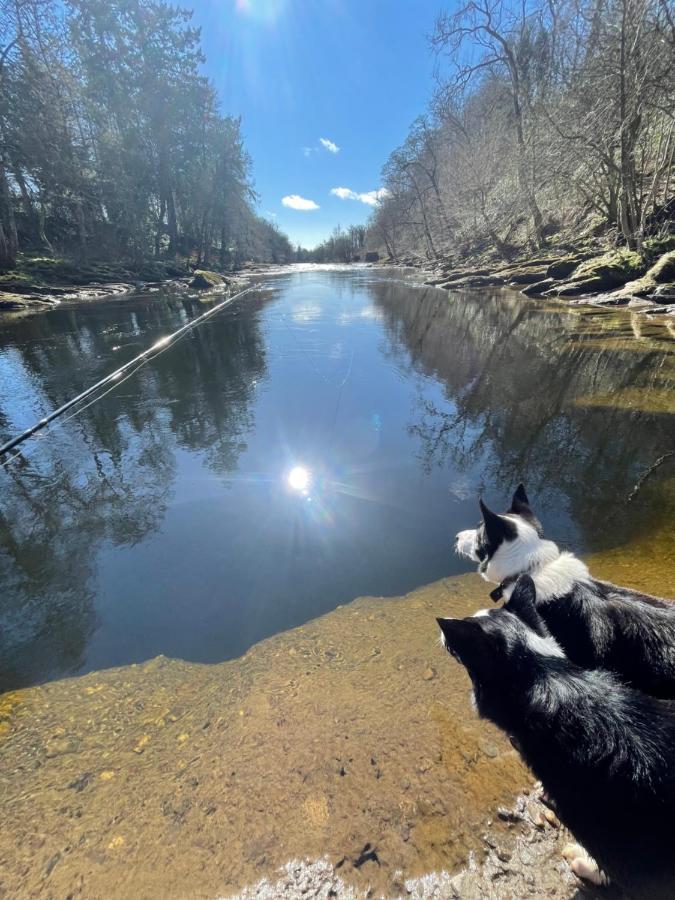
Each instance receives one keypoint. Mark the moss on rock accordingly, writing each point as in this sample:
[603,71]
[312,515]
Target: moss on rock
[205,280]
[602,273]
[661,274]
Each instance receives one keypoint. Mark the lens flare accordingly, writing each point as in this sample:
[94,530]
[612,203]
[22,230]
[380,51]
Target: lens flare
[298,478]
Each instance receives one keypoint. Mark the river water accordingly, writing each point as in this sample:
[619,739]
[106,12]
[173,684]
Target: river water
[321,440]
[164,518]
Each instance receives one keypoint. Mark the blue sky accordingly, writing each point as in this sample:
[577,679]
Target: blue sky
[353,73]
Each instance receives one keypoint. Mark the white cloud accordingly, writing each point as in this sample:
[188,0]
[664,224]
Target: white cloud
[295,201]
[307,151]
[370,198]
[329,145]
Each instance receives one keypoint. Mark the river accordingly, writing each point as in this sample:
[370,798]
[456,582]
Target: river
[319,441]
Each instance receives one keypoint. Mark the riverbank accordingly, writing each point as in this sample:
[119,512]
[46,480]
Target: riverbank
[349,740]
[39,283]
[347,744]
[583,274]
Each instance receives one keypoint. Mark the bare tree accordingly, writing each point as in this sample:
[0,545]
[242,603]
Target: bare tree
[504,36]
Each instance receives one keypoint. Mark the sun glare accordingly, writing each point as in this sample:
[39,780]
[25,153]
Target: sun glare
[298,478]
[264,11]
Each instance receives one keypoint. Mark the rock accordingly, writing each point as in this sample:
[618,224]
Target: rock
[663,269]
[429,674]
[204,280]
[61,745]
[656,281]
[9,303]
[465,273]
[477,281]
[640,303]
[524,275]
[539,287]
[600,273]
[551,817]
[563,267]
[509,815]
[489,748]
[372,256]
[535,814]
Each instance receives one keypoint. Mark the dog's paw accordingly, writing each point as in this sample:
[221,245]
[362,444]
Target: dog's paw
[583,865]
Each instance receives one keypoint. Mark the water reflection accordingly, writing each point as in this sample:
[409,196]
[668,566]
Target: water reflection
[299,450]
[561,396]
[105,479]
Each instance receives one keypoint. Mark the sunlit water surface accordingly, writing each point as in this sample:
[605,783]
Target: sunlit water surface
[321,441]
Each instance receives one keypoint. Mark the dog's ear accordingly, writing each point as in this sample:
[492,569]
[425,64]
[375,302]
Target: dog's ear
[463,637]
[523,603]
[520,506]
[497,528]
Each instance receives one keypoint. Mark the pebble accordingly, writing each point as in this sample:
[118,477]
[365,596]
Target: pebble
[509,815]
[551,817]
[429,674]
[536,817]
[60,745]
[141,745]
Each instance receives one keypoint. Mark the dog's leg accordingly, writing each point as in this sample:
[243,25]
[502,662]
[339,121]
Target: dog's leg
[584,866]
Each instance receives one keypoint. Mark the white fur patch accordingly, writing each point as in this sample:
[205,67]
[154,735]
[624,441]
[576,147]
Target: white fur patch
[544,646]
[525,553]
[480,613]
[465,544]
[558,577]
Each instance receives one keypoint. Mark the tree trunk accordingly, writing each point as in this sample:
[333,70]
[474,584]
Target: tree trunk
[81,227]
[9,241]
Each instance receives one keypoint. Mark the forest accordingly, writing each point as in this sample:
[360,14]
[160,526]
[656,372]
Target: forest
[112,143]
[548,120]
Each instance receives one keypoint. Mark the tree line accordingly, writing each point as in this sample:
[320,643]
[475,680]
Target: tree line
[342,246]
[546,115]
[112,142]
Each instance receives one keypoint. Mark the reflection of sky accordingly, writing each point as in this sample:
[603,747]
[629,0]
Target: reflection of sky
[200,544]
[262,555]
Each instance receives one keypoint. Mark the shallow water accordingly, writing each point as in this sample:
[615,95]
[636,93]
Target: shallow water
[351,736]
[160,519]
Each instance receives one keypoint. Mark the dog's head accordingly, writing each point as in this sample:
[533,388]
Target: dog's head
[502,650]
[502,544]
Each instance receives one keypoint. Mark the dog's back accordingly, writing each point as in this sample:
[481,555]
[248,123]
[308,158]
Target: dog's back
[604,751]
[606,754]
[600,625]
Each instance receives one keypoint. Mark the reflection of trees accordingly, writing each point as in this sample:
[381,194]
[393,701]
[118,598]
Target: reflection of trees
[106,476]
[513,371]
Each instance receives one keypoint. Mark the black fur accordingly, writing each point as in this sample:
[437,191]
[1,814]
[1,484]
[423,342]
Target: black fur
[520,506]
[604,751]
[600,625]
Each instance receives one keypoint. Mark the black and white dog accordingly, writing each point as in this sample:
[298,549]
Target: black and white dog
[597,624]
[604,751]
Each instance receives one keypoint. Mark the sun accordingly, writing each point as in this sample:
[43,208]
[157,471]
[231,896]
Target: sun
[298,478]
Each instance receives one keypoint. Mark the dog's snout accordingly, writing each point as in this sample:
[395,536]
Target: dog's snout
[465,544]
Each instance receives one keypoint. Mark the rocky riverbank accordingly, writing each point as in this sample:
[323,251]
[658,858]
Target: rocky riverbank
[529,862]
[41,283]
[597,276]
